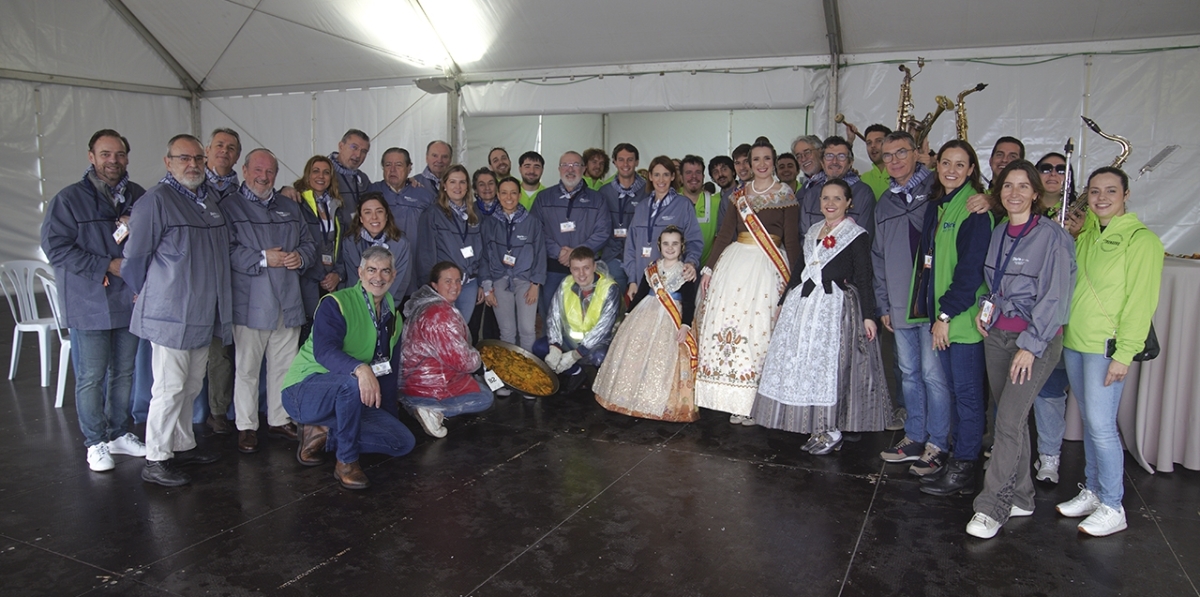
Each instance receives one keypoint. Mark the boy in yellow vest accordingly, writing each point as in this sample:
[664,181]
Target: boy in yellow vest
[581,321]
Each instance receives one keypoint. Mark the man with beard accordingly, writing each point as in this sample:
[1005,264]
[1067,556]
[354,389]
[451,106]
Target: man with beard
[530,164]
[499,163]
[351,182]
[85,227]
[176,261]
[270,245]
[572,215]
[836,159]
[807,150]
[437,161]
[708,205]
[595,168]
[720,170]
[1005,151]
[622,196]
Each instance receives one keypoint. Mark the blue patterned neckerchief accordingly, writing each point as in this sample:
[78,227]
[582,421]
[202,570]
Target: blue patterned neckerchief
[374,242]
[199,195]
[917,178]
[340,169]
[518,214]
[265,203]
[118,191]
[851,177]
[634,189]
[815,180]
[483,208]
[571,195]
[221,182]
[655,205]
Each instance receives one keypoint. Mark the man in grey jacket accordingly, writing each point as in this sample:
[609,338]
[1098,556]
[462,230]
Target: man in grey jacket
[85,227]
[835,160]
[351,182]
[899,218]
[270,244]
[224,149]
[177,263]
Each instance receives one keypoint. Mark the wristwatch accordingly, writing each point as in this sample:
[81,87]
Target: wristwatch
[942,317]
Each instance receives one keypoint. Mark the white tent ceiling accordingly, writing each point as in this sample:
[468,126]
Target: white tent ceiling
[237,45]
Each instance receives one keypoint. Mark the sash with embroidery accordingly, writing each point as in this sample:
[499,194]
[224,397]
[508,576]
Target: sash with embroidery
[660,290]
[759,232]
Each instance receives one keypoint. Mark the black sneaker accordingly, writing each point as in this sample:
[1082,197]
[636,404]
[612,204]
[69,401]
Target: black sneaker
[160,472]
[905,451]
[931,461]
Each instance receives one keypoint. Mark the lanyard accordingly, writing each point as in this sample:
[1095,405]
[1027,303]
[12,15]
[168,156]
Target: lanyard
[1000,269]
[381,331]
[510,226]
[462,228]
[571,198]
[652,214]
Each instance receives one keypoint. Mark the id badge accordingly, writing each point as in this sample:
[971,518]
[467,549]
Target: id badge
[467,252]
[928,261]
[381,368]
[121,232]
[493,381]
[326,259]
[510,260]
[620,232]
[986,310]
[646,252]
[566,227]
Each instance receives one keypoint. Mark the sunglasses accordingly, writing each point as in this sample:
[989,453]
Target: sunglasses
[1048,168]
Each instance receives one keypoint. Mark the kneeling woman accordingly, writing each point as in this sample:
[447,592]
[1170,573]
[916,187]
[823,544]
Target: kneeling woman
[1030,273]
[823,373]
[651,365]
[437,355]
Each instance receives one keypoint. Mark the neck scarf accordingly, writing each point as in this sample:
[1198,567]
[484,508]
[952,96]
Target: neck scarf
[517,215]
[118,191]
[917,178]
[816,179]
[247,193]
[851,177]
[340,169]
[634,189]
[221,182]
[199,195]
[371,240]
[483,206]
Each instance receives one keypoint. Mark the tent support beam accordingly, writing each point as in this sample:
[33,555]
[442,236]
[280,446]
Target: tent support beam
[186,79]
[20,75]
[833,28]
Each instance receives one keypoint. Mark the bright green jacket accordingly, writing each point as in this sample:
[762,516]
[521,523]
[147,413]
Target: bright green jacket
[526,200]
[951,216]
[595,183]
[1116,286]
[708,207]
[877,178]
[359,342]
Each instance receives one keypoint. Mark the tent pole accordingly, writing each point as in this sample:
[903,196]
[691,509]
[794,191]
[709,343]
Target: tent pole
[833,30]
[452,124]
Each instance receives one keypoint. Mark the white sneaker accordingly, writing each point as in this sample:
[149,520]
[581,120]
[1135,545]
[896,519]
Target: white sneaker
[736,419]
[1016,512]
[504,392]
[129,445]
[1081,505]
[982,526]
[99,459]
[748,421]
[1105,521]
[431,422]
[1047,469]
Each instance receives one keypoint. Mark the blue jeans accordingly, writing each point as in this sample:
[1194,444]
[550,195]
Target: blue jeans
[553,282]
[964,366]
[1050,411]
[103,361]
[465,303]
[617,273]
[453,406]
[1103,454]
[332,400]
[926,395]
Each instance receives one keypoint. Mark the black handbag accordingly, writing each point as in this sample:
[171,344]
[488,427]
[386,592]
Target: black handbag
[1149,351]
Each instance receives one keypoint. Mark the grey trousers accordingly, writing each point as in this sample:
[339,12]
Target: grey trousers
[513,316]
[1007,481]
[220,378]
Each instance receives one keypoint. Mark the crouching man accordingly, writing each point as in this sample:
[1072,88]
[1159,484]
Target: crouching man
[341,388]
[580,324]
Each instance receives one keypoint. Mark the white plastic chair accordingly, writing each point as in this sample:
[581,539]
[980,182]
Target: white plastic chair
[16,281]
[64,340]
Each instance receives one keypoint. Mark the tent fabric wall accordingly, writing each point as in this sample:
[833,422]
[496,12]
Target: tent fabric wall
[296,126]
[68,118]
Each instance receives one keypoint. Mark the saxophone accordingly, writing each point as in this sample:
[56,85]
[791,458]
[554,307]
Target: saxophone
[920,128]
[1081,207]
[960,111]
[904,112]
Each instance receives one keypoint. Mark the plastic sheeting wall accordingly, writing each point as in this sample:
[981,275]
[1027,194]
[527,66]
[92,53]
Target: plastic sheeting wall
[1151,99]
[296,126]
[65,118]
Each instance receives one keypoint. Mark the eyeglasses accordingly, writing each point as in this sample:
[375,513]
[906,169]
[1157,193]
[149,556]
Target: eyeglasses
[188,159]
[1048,168]
[570,165]
[836,157]
[806,153]
[899,155]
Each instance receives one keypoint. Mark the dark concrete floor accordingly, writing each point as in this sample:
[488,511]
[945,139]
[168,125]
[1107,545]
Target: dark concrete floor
[553,497]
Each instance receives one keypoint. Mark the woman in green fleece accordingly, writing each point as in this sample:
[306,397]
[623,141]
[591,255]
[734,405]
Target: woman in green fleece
[1120,269]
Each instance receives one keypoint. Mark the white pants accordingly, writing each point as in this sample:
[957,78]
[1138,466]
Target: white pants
[280,347]
[178,379]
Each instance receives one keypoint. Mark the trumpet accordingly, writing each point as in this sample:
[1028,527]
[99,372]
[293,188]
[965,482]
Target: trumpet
[960,111]
[841,119]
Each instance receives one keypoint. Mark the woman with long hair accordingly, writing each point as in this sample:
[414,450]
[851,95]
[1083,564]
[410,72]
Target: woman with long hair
[746,273]
[450,231]
[321,204]
[373,225]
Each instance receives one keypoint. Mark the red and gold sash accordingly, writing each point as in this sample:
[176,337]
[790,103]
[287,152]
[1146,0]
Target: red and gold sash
[761,238]
[660,290]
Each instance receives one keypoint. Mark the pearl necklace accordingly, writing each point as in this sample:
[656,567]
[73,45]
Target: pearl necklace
[754,190]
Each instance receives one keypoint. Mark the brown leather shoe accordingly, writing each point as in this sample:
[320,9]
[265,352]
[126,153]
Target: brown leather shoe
[285,431]
[309,451]
[220,425]
[248,441]
[351,476]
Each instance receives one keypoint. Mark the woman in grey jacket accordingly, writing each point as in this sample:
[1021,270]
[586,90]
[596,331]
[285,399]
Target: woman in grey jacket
[514,270]
[1030,273]
[450,231]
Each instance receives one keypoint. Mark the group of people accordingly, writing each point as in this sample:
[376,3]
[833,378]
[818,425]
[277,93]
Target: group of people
[763,294]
